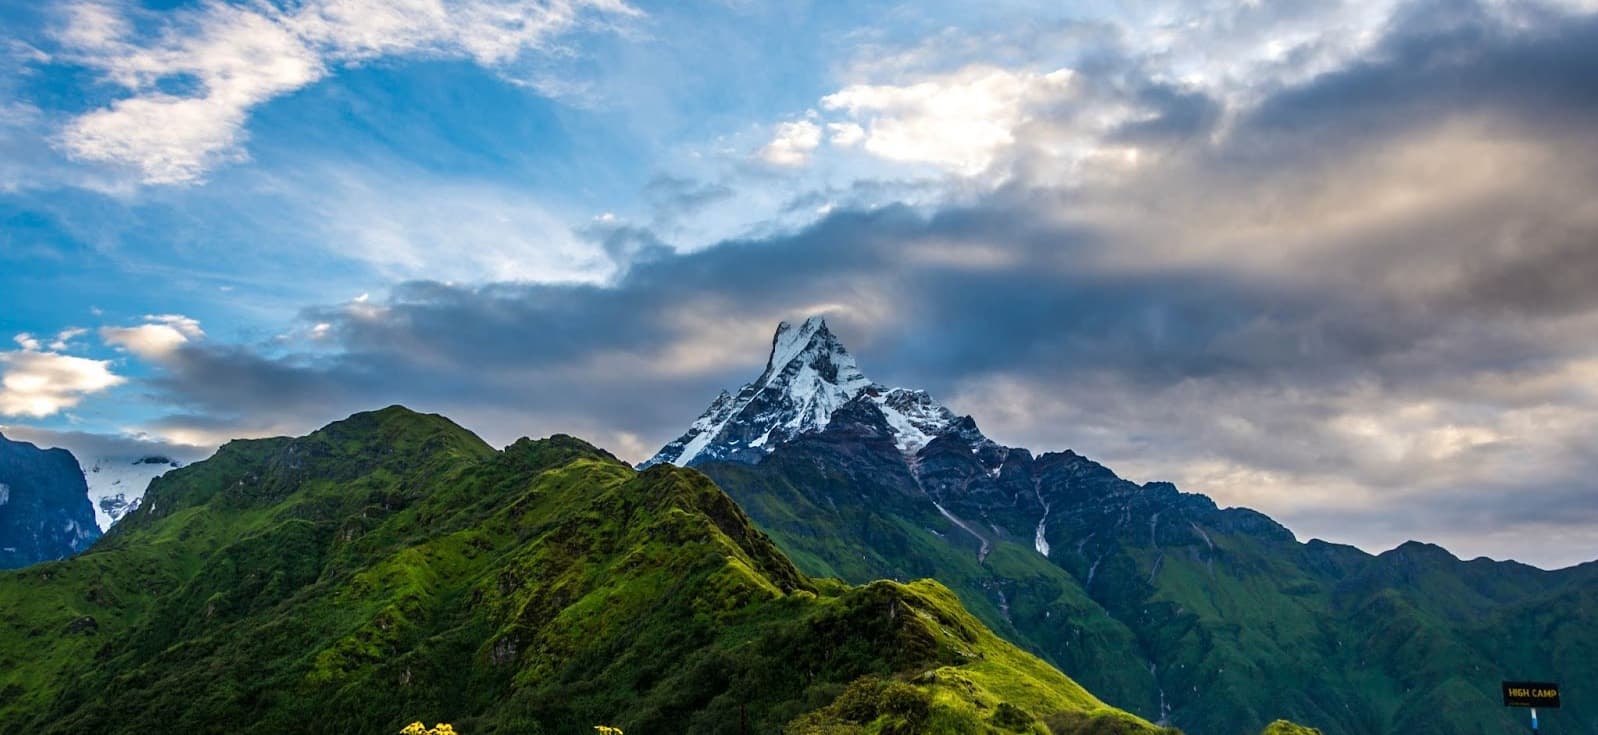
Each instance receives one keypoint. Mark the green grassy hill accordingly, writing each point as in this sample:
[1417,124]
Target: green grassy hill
[392,567]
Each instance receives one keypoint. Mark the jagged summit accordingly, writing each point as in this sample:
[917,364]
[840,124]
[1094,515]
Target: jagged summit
[809,375]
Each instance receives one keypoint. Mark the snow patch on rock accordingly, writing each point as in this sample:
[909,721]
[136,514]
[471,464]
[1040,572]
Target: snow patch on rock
[116,484]
[913,417]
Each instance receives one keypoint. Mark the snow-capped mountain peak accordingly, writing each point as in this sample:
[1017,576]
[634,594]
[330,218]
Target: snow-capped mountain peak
[790,341]
[116,484]
[809,375]
[810,366]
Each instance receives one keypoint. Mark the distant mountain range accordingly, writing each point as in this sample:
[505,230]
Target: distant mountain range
[116,483]
[392,567]
[1215,620]
[44,505]
[53,506]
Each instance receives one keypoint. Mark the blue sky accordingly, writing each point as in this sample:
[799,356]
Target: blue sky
[1326,259]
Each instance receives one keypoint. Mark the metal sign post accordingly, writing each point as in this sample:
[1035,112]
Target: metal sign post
[1531,694]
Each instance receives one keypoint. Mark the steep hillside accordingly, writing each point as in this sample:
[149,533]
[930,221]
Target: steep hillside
[44,505]
[392,567]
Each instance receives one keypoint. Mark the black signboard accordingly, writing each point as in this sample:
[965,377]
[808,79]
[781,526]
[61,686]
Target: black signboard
[1531,694]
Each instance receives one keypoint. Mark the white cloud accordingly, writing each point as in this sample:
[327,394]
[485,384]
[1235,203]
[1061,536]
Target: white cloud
[26,161]
[846,135]
[93,25]
[39,384]
[420,228]
[157,338]
[958,121]
[27,341]
[236,57]
[487,31]
[233,58]
[63,339]
[792,144]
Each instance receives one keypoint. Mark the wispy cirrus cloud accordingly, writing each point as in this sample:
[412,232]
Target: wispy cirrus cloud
[423,227]
[191,83]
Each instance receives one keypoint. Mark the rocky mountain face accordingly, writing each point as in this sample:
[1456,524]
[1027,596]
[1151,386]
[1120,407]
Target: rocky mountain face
[44,505]
[808,377]
[392,567]
[1215,620]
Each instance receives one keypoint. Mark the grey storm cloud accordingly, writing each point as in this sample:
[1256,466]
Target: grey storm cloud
[1277,310]
[1181,115]
[1453,58]
[86,446]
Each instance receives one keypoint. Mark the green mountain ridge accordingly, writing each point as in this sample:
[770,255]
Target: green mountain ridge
[1215,620]
[393,567]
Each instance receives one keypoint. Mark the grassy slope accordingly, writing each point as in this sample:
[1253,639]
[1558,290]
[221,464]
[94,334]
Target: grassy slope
[1014,591]
[392,567]
[1246,625]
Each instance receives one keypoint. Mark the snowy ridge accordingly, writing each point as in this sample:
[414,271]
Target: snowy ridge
[808,377]
[116,484]
[913,416]
[704,428]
